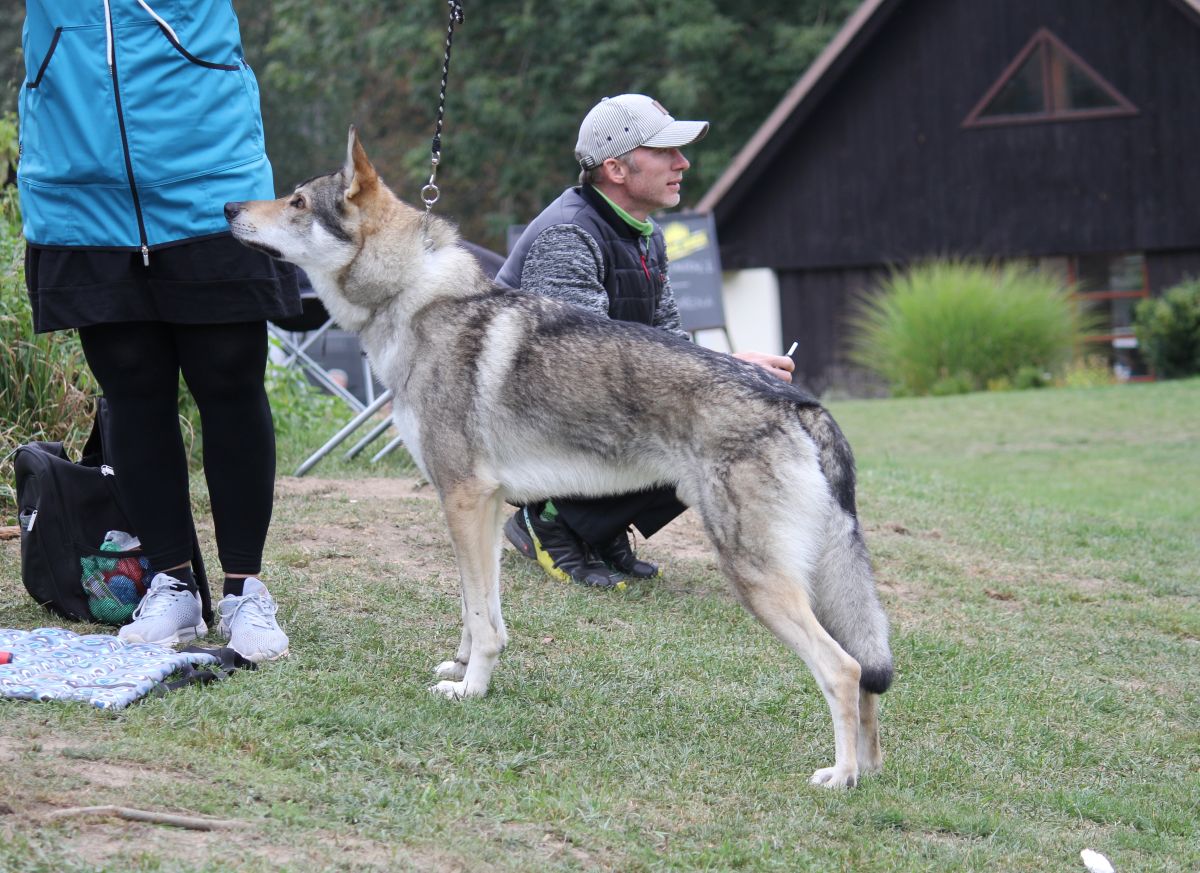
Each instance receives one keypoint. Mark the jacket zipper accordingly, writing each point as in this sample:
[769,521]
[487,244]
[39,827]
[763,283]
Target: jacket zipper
[642,255]
[137,204]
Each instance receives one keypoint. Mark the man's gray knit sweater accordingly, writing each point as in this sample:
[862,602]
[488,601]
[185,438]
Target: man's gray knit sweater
[567,262]
[564,262]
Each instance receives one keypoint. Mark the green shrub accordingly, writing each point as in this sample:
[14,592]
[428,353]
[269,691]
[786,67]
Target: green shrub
[297,406]
[1168,331]
[948,327]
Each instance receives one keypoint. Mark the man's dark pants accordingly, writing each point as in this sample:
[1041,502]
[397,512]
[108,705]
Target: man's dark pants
[598,520]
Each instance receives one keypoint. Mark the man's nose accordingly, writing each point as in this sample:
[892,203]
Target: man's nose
[681,162]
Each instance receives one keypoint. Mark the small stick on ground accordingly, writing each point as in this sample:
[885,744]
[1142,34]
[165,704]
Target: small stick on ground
[191,822]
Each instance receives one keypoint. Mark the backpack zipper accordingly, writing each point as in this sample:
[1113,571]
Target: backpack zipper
[112,69]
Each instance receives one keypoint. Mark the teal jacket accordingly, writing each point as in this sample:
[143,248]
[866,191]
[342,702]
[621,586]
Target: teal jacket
[139,120]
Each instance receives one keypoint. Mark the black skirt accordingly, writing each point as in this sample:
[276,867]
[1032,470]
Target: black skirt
[211,281]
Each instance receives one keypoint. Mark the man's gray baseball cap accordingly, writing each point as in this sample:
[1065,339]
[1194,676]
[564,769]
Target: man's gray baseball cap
[617,125]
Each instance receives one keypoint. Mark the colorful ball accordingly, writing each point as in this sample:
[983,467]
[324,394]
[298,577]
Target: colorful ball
[130,567]
[122,588]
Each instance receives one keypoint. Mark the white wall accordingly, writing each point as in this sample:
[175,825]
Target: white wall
[751,300]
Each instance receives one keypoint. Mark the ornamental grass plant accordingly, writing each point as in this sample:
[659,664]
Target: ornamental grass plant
[950,327]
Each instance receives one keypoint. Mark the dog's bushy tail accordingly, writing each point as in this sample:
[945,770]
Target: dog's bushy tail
[844,597]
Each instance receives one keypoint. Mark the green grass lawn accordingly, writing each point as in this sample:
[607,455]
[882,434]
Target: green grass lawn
[1039,553]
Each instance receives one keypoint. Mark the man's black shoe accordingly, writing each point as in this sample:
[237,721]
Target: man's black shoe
[619,555]
[558,551]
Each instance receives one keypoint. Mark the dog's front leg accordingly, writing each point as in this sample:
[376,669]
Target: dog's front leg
[473,512]
[457,668]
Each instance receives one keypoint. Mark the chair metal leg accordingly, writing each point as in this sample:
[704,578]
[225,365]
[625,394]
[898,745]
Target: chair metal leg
[375,433]
[342,434]
[388,449]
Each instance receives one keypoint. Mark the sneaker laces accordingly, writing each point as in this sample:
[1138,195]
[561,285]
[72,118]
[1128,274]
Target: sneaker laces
[259,609]
[160,598]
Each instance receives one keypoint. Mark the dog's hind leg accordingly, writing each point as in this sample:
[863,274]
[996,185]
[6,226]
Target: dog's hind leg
[473,513]
[781,604]
[846,603]
[771,565]
[870,752]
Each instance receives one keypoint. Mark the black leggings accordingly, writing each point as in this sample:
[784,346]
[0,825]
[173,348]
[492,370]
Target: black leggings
[137,365]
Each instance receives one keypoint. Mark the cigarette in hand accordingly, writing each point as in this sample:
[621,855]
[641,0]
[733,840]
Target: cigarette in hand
[793,348]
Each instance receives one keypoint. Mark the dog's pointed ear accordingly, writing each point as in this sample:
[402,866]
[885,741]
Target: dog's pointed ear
[360,175]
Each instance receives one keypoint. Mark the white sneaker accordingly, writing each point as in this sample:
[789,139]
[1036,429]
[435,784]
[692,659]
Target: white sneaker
[248,622]
[165,617]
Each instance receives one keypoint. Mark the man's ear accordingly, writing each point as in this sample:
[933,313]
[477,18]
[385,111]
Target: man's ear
[360,175]
[615,171]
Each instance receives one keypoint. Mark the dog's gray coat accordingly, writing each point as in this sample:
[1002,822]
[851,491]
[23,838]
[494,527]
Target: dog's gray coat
[501,395]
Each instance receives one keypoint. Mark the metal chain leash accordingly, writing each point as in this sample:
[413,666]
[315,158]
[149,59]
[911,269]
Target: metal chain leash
[430,193]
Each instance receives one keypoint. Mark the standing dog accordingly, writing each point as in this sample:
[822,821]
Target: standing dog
[504,396]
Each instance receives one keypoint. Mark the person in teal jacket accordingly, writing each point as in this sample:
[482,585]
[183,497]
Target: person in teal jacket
[139,120]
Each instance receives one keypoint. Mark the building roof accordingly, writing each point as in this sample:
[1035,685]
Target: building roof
[802,97]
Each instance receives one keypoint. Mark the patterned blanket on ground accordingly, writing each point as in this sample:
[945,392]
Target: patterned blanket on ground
[51,663]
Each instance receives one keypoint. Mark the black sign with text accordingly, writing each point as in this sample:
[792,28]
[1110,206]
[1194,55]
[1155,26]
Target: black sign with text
[695,269]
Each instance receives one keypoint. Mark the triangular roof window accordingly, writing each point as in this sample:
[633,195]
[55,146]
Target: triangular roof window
[1048,82]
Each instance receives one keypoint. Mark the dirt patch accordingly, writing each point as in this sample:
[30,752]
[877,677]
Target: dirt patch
[110,843]
[390,488]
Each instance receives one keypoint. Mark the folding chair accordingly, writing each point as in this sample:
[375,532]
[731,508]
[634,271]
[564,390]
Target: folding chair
[298,335]
[490,262]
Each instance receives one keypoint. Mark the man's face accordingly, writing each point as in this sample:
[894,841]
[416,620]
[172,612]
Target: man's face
[653,179]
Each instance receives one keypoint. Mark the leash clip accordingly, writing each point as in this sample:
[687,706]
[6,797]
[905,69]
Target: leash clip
[430,193]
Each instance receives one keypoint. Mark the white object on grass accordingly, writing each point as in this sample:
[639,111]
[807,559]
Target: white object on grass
[1095,862]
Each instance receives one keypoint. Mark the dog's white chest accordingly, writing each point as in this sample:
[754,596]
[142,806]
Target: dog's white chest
[409,431]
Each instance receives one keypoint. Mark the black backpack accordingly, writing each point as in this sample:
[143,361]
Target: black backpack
[65,511]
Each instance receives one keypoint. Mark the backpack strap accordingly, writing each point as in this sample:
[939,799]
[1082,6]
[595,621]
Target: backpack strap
[204,674]
[93,450]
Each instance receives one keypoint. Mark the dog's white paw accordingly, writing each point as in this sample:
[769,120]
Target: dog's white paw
[450,670]
[832,777]
[457,690]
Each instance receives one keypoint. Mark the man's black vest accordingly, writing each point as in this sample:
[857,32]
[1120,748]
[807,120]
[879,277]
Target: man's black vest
[634,265]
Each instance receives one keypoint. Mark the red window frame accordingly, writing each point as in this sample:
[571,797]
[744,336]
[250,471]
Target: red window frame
[1052,87]
[1108,294]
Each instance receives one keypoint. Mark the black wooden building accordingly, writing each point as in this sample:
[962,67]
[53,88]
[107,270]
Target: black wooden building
[1063,132]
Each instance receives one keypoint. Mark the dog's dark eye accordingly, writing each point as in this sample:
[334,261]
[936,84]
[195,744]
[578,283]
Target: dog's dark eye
[299,202]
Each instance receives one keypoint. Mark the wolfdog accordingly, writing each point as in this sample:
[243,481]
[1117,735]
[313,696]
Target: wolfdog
[506,396]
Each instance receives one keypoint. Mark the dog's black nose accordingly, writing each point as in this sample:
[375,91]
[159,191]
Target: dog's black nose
[231,210]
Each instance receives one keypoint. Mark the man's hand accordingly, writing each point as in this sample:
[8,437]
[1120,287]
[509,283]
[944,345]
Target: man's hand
[779,366]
